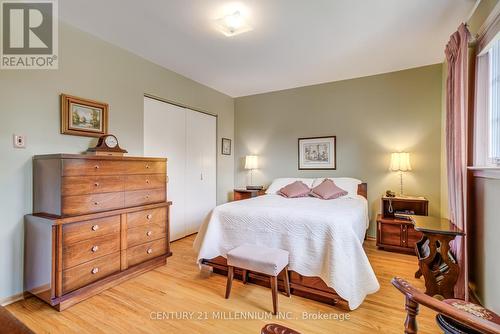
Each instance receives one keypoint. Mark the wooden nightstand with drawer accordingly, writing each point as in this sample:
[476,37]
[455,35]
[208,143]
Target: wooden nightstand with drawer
[242,193]
[395,234]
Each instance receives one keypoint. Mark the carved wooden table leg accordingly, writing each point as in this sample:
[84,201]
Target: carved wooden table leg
[418,273]
[411,316]
[437,265]
[435,259]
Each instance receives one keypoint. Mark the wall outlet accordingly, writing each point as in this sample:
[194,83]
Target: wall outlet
[19,141]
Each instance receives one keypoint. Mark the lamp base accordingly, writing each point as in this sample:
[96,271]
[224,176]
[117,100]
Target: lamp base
[255,187]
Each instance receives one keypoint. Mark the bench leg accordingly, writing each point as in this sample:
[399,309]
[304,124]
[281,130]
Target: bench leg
[274,291]
[230,274]
[287,282]
[244,276]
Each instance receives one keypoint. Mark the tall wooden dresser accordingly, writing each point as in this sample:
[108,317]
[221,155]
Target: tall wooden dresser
[97,221]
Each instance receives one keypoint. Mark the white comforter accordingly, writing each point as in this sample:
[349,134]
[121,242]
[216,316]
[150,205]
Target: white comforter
[324,237]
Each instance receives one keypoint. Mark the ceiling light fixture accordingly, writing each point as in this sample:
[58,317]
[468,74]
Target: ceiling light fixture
[233,24]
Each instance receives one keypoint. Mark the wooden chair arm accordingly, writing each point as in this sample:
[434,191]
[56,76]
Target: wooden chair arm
[277,329]
[463,317]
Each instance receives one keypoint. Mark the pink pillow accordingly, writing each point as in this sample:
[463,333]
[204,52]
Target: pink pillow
[295,189]
[328,190]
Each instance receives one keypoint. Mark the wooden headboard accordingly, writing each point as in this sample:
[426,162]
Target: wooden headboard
[363,189]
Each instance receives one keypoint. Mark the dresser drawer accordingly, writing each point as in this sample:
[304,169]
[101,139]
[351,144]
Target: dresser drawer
[90,229]
[82,185]
[145,233]
[83,204]
[89,272]
[87,250]
[142,197]
[153,216]
[146,181]
[144,252]
[145,167]
[78,167]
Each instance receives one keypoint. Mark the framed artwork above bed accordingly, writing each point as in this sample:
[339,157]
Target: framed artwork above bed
[318,153]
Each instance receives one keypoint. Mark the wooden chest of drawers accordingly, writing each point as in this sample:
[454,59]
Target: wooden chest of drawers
[97,222]
[68,185]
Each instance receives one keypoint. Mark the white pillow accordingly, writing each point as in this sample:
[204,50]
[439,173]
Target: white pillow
[349,184]
[277,184]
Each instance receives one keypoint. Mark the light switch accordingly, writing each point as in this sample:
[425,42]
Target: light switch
[19,141]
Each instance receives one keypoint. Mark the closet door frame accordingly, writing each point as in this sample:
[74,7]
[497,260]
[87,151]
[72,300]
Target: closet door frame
[154,97]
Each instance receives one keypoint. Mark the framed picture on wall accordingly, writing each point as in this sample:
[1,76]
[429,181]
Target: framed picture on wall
[317,153]
[82,117]
[226,146]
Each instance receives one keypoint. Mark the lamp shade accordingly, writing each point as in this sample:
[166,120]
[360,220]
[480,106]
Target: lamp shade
[251,162]
[400,162]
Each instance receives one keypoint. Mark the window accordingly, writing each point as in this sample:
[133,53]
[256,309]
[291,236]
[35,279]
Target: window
[487,111]
[494,105]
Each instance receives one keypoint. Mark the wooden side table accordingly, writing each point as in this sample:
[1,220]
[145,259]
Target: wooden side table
[242,193]
[435,260]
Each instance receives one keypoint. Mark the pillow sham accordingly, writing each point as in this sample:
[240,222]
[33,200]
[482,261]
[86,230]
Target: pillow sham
[295,189]
[348,184]
[327,190]
[279,183]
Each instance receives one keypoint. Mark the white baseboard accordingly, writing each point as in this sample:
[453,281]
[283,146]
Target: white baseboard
[12,299]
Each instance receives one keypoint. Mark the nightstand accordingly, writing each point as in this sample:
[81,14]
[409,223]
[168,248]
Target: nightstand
[242,193]
[395,234]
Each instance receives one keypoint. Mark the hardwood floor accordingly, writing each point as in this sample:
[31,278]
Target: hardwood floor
[142,304]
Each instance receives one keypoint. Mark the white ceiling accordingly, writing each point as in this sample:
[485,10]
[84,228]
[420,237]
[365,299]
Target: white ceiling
[293,42]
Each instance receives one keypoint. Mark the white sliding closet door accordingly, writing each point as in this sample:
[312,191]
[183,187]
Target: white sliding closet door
[165,136]
[188,139]
[200,168]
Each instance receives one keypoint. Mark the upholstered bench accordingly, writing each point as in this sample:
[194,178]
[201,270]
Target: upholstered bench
[264,260]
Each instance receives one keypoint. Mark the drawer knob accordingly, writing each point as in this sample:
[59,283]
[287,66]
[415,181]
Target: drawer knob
[149,233]
[95,227]
[95,270]
[147,181]
[149,216]
[150,250]
[95,249]
[96,203]
[147,167]
[96,166]
[147,196]
[96,184]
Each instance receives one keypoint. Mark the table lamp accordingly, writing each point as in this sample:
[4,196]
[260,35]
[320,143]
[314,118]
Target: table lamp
[400,162]
[251,163]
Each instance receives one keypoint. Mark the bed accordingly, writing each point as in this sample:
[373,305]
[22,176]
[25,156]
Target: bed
[324,238]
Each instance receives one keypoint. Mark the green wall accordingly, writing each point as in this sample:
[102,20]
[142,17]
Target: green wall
[371,117]
[94,69]
[485,271]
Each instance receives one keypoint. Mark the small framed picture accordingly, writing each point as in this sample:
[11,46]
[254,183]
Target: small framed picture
[82,117]
[226,146]
[317,153]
